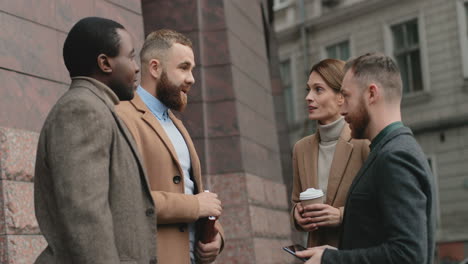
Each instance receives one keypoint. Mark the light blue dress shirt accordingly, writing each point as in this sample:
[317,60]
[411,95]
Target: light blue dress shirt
[160,111]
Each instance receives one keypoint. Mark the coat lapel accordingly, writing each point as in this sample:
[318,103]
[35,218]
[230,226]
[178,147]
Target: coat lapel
[373,155]
[310,161]
[340,161]
[195,163]
[361,172]
[134,149]
[92,85]
[151,120]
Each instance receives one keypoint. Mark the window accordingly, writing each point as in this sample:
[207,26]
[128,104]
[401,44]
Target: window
[462,10]
[286,80]
[466,16]
[406,50]
[338,51]
[281,3]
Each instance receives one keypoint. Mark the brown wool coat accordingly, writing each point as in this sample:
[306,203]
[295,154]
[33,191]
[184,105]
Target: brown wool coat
[175,209]
[92,199]
[349,156]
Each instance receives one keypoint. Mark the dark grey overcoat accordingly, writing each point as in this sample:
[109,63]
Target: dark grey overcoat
[389,216]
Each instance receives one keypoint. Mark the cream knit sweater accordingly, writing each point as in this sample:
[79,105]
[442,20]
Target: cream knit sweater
[329,135]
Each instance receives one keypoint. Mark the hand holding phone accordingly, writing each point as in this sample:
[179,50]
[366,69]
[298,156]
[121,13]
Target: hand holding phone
[292,250]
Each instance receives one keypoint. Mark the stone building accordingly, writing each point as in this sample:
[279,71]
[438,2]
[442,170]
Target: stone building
[235,113]
[429,40]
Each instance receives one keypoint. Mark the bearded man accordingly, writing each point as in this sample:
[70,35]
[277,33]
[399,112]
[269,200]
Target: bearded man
[390,208]
[170,158]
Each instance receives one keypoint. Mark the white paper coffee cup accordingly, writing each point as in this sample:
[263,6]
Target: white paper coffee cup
[311,196]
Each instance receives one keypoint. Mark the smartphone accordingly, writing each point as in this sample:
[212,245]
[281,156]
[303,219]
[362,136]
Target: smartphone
[292,250]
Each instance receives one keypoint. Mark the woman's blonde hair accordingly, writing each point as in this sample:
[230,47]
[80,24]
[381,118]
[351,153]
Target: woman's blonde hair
[331,71]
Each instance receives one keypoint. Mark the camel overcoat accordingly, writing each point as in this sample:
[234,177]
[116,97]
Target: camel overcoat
[175,209]
[349,156]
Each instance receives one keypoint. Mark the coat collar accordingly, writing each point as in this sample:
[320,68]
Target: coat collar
[98,88]
[375,152]
[310,156]
[104,93]
[191,147]
[340,160]
[151,120]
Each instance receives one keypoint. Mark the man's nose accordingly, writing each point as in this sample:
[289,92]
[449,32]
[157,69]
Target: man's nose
[137,68]
[190,79]
[343,111]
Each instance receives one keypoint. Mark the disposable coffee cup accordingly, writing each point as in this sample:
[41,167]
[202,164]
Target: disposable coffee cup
[311,196]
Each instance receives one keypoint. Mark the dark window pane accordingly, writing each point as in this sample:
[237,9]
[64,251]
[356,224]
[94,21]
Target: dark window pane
[338,51]
[289,103]
[412,32]
[398,37]
[402,64]
[416,70]
[344,50]
[407,54]
[466,17]
[285,72]
[331,52]
[286,80]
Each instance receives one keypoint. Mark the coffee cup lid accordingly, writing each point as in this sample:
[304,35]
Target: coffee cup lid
[311,193]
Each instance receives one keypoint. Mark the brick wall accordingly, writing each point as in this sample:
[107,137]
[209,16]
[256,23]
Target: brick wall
[33,77]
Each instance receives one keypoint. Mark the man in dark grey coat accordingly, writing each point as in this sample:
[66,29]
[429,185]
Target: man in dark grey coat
[389,216]
[92,199]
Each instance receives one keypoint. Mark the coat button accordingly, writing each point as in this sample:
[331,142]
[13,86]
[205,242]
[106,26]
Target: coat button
[149,212]
[176,179]
[182,228]
[153,260]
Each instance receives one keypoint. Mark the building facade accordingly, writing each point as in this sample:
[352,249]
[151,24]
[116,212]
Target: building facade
[429,41]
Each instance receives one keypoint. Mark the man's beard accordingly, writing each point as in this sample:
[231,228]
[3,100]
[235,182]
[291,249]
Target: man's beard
[360,122]
[169,94]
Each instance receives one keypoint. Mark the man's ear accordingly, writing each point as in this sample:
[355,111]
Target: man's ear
[155,68]
[373,93]
[104,63]
[339,99]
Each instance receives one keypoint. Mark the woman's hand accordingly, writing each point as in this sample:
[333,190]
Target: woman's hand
[304,223]
[318,215]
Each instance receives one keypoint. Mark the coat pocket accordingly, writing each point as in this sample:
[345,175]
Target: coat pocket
[363,206]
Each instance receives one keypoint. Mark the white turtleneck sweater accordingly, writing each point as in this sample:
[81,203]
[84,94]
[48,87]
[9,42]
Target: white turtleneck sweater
[329,135]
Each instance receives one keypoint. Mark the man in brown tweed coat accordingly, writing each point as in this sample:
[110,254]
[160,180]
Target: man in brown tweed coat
[92,198]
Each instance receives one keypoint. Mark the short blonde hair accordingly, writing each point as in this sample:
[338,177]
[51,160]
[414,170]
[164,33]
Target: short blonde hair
[379,68]
[158,42]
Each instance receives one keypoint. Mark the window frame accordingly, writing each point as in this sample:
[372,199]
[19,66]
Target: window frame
[336,47]
[291,118]
[277,5]
[462,21]
[418,96]
[336,41]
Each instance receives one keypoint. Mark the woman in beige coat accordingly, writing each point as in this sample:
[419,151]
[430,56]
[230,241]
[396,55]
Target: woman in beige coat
[328,159]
